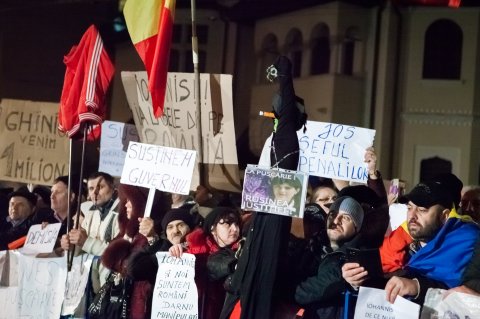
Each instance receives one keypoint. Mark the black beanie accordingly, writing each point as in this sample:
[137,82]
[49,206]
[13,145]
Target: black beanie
[25,193]
[178,214]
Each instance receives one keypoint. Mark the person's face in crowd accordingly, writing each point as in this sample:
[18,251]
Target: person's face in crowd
[324,196]
[424,223]
[284,192]
[99,191]
[226,233]
[340,227]
[59,198]
[178,199]
[176,231]
[470,204]
[128,206]
[19,208]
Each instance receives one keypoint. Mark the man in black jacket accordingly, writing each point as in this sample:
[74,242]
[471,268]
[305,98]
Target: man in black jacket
[20,217]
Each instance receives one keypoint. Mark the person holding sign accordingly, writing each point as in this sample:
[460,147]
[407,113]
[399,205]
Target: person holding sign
[214,247]
[415,253]
[99,226]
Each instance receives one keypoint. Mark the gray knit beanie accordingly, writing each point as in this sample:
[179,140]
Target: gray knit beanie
[351,207]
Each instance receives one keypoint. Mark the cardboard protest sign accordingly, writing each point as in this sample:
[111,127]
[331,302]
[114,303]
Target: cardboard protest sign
[274,191]
[165,168]
[334,150]
[41,286]
[178,127]
[41,240]
[175,293]
[32,149]
[113,146]
[77,279]
[372,303]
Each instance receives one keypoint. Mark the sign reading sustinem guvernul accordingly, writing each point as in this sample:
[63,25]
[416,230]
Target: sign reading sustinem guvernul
[166,168]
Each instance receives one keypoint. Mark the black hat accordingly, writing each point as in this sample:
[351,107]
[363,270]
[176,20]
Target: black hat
[453,184]
[23,192]
[178,214]
[427,194]
[362,194]
[315,213]
[217,214]
[44,192]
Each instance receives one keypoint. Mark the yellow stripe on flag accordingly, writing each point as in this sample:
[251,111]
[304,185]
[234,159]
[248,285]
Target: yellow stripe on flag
[142,18]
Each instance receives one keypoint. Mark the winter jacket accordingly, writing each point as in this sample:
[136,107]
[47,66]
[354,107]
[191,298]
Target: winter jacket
[471,277]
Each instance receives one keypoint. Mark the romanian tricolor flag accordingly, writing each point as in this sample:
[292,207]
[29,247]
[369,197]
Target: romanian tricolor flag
[150,24]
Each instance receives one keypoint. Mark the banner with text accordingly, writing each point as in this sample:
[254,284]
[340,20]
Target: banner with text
[113,146]
[77,279]
[41,239]
[274,191]
[32,150]
[166,168]
[178,127]
[334,150]
[175,294]
[372,303]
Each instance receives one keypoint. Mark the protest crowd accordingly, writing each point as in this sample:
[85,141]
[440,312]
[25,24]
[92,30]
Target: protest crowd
[289,246]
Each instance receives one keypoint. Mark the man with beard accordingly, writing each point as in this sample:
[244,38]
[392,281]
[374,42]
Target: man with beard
[321,294]
[470,204]
[421,262]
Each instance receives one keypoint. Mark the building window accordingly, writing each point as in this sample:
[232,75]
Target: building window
[442,56]
[320,44]
[294,50]
[269,53]
[348,50]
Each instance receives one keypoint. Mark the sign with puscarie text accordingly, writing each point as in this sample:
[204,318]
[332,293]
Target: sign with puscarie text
[166,168]
[334,150]
[274,191]
[175,294]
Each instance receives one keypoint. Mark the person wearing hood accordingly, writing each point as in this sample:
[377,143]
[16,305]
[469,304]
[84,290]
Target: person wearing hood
[321,294]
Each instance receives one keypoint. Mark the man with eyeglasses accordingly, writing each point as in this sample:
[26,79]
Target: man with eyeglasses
[321,295]
[422,260]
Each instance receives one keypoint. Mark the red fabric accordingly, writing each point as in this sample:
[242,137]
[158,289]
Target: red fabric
[87,78]
[393,251]
[237,311]
[17,243]
[438,3]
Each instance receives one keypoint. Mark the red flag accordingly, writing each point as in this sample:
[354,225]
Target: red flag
[438,3]
[87,78]
[150,24]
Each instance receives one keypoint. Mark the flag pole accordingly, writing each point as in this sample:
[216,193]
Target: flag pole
[80,182]
[69,190]
[197,94]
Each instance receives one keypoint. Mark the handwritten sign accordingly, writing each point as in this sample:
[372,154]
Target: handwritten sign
[32,150]
[334,150]
[41,240]
[113,146]
[274,191]
[178,126]
[372,303]
[165,168]
[77,279]
[175,294]
[42,286]
[9,297]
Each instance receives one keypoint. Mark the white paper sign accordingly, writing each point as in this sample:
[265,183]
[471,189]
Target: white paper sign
[178,126]
[113,146]
[77,279]
[9,298]
[165,168]
[175,294]
[41,240]
[372,303]
[274,191]
[334,150]
[42,286]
